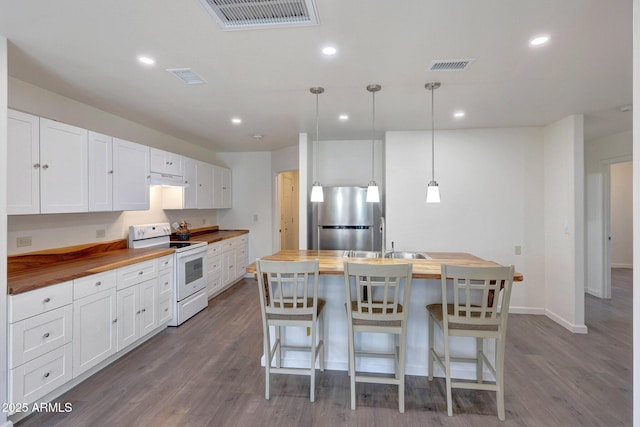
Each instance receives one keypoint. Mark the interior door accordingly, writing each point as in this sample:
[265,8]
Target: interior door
[289,210]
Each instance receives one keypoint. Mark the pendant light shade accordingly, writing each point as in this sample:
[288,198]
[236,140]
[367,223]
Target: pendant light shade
[433,190]
[317,195]
[373,194]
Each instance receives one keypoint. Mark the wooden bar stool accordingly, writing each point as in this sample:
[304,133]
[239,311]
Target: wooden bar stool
[289,298]
[477,311]
[384,310]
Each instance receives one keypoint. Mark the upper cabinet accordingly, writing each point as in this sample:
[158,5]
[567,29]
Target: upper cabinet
[204,178]
[100,172]
[221,187]
[23,169]
[165,162]
[131,176]
[48,168]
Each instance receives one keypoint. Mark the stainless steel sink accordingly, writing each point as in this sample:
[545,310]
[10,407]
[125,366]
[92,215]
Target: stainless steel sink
[406,255]
[361,254]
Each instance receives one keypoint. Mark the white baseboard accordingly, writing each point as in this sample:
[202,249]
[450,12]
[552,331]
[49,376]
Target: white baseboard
[527,310]
[620,265]
[594,292]
[578,329]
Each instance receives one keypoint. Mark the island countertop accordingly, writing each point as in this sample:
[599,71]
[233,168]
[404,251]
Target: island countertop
[332,262]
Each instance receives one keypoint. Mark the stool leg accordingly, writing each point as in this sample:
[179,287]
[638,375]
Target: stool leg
[430,347]
[479,363]
[278,348]
[312,373]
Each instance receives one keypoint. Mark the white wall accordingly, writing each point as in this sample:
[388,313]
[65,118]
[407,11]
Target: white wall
[252,183]
[600,153]
[61,230]
[492,200]
[621,215]
[564,222]
[349,163]
[3,227]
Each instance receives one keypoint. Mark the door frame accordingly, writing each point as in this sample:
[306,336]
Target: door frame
[606,221]
[276,208]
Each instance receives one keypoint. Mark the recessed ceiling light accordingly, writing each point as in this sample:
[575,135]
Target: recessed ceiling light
[458,114]
[343,117]
[539,40]
[257,136]
[329,50]
[147,60]
[236,120]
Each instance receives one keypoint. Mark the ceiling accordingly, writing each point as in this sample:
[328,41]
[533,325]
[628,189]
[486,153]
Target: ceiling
[87,51]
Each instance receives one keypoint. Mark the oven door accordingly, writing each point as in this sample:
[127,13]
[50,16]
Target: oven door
[191,272]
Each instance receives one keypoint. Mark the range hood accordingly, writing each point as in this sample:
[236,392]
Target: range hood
[167,180]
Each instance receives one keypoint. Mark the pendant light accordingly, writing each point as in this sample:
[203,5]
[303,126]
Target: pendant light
[317,195]
[373,194]
[433,191]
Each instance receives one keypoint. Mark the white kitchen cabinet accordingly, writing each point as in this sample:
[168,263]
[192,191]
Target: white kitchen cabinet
[228,267]
[131,176]
[221,187]
[166,162]
[94,330]
[183,197]
[165,290]
[148,306]
[23,167]
[100,172]
[242,255]
[214,269]
[204,178]
[128,329]
[64,174]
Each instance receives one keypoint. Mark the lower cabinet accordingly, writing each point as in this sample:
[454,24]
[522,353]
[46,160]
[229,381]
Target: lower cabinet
[94,330]
[137,312]
[60,332]
[227,261]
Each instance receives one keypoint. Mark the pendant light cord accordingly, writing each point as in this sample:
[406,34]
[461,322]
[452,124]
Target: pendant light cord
[433,172]
[317,139]
[373,132]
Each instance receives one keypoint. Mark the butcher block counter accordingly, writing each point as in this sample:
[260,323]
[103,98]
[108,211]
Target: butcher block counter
[332,262]
[34,270]
[213,234]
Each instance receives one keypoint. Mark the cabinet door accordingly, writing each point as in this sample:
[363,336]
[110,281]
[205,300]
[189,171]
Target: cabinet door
[190,178]
[228,267]
[100,172]
[148,306]
[226,187]
[63,168]
[221,187]
[131,177]
[128,306]
[204,173]
[23,167]
[94,330]
[166,162]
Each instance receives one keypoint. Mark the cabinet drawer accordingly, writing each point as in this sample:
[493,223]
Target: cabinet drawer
[137,273]
[39,301]
[34,336]
[165,309]
[34,379]
[165,284]
[165,262]
[214,264]
[214,249]
[93,284]
[229,244]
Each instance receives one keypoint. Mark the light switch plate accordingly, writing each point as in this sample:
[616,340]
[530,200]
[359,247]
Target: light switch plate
[23,241]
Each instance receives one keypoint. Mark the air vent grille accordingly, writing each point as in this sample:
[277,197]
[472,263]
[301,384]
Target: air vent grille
[186,75]
[450,64]
[253,14]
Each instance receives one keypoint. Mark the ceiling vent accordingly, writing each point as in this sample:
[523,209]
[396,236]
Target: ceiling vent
[450,64]
[186,76]
[255,14]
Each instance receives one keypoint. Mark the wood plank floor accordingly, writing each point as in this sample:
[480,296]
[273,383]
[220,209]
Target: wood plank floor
[207,373]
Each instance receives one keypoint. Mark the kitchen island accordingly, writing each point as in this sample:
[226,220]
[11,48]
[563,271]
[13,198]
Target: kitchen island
[425,289]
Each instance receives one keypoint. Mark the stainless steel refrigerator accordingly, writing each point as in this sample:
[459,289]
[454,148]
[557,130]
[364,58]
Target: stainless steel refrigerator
[346,221]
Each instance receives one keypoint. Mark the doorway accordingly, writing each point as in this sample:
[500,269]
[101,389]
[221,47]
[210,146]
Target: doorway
[287,184]
[618,220]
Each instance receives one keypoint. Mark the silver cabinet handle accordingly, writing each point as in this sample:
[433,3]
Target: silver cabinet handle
[47,299]
[46,335]
[144,309]
[98,283]
[45,166]
[46,375]
[115,320]
[166,309]
[138,312]
[140,273]
[36,166]
[110,171]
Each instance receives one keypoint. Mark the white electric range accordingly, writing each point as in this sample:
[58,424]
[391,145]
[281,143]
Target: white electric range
[190,267]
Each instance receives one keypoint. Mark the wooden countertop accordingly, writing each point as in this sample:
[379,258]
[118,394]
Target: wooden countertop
[34,270]
[332,262]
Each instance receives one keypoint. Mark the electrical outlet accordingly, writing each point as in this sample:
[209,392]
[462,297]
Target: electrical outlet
[100,233]
[21,242]
[255,217]
[518,250]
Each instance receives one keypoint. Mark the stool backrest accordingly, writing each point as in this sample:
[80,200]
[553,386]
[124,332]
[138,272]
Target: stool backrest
[288,287]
